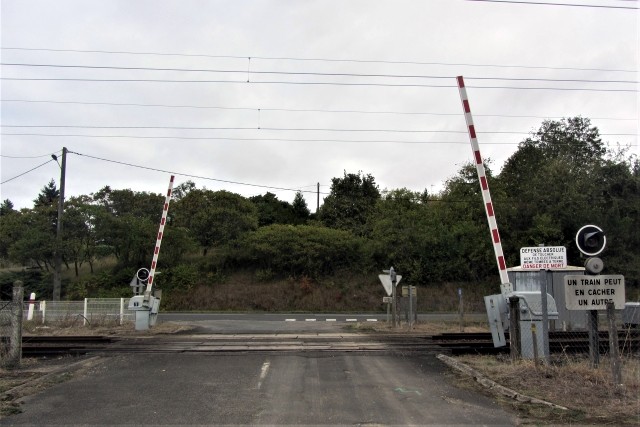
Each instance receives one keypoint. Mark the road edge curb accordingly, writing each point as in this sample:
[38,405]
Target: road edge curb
[63,369]
[492,385]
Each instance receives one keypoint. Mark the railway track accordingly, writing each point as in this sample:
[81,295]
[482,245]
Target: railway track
[451,343]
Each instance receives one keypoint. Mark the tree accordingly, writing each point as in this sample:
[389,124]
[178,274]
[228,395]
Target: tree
[215,217]
[127,223]
[33,240]
[301,212]
[183,189]
[288,250]
[351,200]
[6,207]
[401,229]
[272,211]
[562,178]
[48,195]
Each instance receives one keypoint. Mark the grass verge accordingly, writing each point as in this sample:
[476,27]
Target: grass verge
[588,393]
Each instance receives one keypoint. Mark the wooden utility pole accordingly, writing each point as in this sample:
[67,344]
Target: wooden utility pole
[57,282]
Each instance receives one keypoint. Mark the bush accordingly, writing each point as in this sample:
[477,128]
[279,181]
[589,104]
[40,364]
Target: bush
[33,280]
[288,250]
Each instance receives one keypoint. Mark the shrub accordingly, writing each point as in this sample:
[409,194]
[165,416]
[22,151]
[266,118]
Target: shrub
[302,250]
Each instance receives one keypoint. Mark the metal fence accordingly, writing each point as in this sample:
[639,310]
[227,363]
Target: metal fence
[5,318]
[87,312]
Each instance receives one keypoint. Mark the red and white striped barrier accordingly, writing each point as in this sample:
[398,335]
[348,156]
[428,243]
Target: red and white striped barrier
[484,186]
[163,221]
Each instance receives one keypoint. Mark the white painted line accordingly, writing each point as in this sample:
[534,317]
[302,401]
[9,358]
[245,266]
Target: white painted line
[372,320]
[331,320]
[352,320]
[263,373]
[289,320]
[309,320]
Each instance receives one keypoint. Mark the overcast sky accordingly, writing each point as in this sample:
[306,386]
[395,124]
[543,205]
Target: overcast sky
[289,94]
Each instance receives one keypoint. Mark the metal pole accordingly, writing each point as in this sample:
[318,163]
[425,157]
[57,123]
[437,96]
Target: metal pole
[544,277]
[392,273]
[57,283]
[534,339]
[594,339]
[461,310]
[318,199]
[613,345]
[388,314]
[514,327]
[410,308]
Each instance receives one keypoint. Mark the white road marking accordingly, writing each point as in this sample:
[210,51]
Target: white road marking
[263,373]
[352,320]
[372,320]
[289,320]
[309,320]
[331,320]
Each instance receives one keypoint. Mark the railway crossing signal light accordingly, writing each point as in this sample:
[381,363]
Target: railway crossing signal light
[142,275]
[591,240]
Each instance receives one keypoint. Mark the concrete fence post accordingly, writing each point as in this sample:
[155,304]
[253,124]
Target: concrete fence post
[43,308]
[15,346]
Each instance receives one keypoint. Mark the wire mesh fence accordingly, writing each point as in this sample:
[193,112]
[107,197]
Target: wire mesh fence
[5,319]
[88,311]
[10,332]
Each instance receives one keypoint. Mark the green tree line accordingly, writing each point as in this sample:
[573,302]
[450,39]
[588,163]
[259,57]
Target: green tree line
[560,178]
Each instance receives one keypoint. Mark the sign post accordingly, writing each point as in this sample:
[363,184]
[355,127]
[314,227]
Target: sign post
[389,282]
[460,310]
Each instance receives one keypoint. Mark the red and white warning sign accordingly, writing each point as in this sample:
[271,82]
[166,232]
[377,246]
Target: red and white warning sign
[543,258]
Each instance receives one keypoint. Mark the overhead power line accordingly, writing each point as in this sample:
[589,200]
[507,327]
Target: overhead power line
[29,157]
[24,173]
[190,175]
[285,129]
[309,73]
[338,60]
[311,83]
[556,4]
[296,110]
[197,138]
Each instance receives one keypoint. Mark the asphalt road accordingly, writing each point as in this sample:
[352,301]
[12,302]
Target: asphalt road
[261,389]
[253,323]
[328,378]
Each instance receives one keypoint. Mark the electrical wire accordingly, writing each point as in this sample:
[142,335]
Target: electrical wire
[187,138]
[296,110]
[285,129]
[29,157]
[180,138]
[311,83]
[189,175]
[555,4]
[275,58]
[24,173]
[300,73]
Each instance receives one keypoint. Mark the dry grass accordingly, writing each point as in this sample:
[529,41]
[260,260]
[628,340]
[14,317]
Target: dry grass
[589,393]
[347,292]
[429,328]
[65,328]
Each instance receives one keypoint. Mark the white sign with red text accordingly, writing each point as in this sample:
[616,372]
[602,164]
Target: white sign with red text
[543,257]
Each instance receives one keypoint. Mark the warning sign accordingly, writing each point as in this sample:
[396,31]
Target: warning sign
[543,257]
[594,292]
